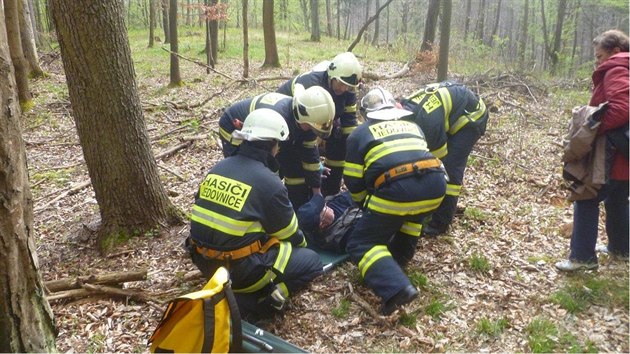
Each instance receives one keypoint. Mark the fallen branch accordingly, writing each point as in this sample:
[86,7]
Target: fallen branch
[367,307]
[200,64]
[110,278]
[492,142]
[71,191]
[173,150]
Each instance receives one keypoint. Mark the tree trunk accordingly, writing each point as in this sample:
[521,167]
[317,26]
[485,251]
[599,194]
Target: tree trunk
[17,54]
[305,15]
[176,78]
[151,23]
[338,19]
[496,24]
[214,36]
[27,36]
[245,41]
[376,26]
[481,21]
[367,23]
[367,17]
[430,25]
[26,322]
[557,43]
[167,31]
[524,35]
[39,25]
[445,35]
[109,121]
[467,20]
[269,32]
[404,20]
[315,33]
[329,25]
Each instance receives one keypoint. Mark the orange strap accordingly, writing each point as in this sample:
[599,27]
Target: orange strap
[239,252]
[405,169]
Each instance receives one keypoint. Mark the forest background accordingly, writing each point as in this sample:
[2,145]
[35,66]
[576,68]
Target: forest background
[487,286]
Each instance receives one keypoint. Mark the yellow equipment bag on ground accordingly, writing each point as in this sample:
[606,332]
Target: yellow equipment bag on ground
[206,321]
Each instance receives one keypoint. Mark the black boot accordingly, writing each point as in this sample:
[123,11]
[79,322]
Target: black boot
[403,297]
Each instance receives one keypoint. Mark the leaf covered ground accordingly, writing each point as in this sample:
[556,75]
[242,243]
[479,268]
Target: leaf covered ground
[489,285]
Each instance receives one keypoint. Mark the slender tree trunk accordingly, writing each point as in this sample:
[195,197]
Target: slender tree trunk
[496,24]
[109,121]
[366,24]
[305,14]
[26,323]
[12,18]
[214,36]
[557,43]
[367,16]
[176,78]
[245,41]
[151,23]
[329,25]
[188,13]
[445,34]
[269,32]
[524,35]
[165,20]
[430,25]
[467,20]
[387,29]
[315,33]
[376,26]
[338,19]
[27,36]
[39,24]
[481,21]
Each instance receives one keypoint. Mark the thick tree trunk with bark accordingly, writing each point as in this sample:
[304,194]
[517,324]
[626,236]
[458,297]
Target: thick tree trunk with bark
[269,32]
[26,322]
[109,121]
[12,17]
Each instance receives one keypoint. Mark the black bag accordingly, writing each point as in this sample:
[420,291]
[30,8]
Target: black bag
[619,139]
[335,236]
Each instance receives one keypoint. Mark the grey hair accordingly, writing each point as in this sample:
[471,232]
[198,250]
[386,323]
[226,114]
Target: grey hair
[612,39]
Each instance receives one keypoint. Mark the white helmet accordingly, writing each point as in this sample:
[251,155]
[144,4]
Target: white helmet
[380,104]
[263,124]
[315,107]
[346,68]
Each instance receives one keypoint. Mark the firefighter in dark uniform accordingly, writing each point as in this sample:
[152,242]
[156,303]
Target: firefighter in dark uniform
[308,114]
[392,174]
[452,118]
[243,220]
[340,77]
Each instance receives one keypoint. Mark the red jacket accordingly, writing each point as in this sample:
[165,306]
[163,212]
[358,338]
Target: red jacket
[611,83]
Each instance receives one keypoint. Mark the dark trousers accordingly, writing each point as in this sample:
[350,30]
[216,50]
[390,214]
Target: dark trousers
[586,218]
[385,276]
[459,148]
[302,267]
[335,156]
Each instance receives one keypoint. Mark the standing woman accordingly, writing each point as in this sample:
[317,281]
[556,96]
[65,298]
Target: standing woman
[610,83]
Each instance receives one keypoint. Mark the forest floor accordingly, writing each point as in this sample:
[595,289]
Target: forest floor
[489,285]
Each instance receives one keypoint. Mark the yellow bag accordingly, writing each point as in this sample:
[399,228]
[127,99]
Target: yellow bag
[201,322]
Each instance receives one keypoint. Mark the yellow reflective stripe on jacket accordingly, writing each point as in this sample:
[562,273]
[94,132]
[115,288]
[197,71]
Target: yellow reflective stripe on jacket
[252,105]
[357,197]
[284,253]
[261,283]
[293,84]
[403,208]
[411,228]
[453,189]
[309,144]
[310,166]
[374,254]
[225,134]
[441,151]
[288,230]
[447,102]
[350,108]
[294,181]
[390,147]
[223,223]
[335,163]
[467,118]
[353,170]
[284,290]
[348,130]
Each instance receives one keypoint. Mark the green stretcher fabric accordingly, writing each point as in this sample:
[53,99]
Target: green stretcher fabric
[329,259]
[257,340]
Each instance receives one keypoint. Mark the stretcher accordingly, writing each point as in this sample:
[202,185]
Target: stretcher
[257,340]
[329,259]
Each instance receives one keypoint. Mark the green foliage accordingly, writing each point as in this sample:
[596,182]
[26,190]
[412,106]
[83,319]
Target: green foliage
[60,177]
[418,279]
[492,328]
[97,343]
[408,320]
[436,308]
[584,290]
[342,310]
[479,263]
[541,334]
[475,214]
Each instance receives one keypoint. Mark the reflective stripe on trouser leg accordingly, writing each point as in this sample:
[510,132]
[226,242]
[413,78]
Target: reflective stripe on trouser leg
[403,244]
[367,247]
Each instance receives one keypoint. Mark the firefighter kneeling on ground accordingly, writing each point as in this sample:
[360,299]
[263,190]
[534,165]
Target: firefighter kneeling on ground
[389,171]
[242,219]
